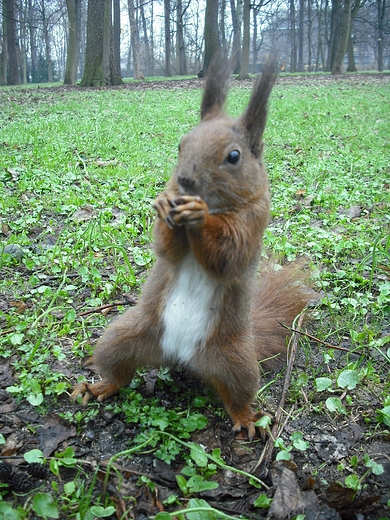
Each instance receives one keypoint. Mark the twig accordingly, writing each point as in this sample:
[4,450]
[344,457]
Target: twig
[128,301]
[329,345]
[8,331]
[265,457]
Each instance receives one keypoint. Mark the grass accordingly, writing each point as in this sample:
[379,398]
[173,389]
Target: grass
[79,170]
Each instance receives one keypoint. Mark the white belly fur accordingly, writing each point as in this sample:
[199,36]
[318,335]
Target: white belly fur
[189,312]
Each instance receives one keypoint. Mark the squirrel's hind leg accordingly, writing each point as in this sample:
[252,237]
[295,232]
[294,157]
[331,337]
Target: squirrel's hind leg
[234,374]
[129,342]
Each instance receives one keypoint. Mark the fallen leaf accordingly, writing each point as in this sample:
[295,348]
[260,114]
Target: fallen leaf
[5,229]
[288,498]
[53,432]
[20,306]
[84,213]
[354,211]
[12,444]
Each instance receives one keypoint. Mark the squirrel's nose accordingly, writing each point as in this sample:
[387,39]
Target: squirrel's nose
[185,182]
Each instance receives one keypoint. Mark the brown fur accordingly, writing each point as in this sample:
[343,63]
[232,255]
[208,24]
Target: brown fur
[213,214]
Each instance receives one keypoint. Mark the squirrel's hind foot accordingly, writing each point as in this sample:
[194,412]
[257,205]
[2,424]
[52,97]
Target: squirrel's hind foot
[99,391]
[248,423]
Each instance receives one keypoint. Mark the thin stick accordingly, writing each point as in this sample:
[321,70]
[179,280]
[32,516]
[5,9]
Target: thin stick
[265,457]
[329,345]
[8,331]
[129,301]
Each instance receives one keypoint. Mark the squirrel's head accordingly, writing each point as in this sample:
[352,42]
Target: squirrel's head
[220,159]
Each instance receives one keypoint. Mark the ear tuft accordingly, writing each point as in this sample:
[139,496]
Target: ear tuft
[255,116]
[216,87]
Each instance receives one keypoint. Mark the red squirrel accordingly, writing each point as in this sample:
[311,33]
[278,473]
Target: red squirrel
[203,305]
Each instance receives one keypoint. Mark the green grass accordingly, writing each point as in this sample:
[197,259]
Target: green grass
[78,172]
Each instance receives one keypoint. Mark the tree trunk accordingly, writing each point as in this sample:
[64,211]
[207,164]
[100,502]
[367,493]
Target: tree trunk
[167,34]
[23,45]
[244,65]
[72,54]
[13,76]
[293,38]
[334,33]
[237,15]
[222,30]
[350,50]
[99,67]
[181,52]
[301,65]
[134,38]
[46,38]
[351,56]
[149,57]
[117,35]
[344,33]
[381,8]
[309,36]
[254,41]
[4,53]
[211,40]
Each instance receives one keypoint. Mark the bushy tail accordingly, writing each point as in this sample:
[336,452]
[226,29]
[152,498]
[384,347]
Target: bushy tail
[279,297]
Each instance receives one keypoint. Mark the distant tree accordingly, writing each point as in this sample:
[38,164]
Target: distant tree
[350,50]
[99,67]
[237,15]
[13,69]
[72,54]
[134,37]
[167,36]
[117,35]
[381,10]
[293,37]
[181,51]
[301,35]
[148,44]
[211,40]
[343,38]
[244,62]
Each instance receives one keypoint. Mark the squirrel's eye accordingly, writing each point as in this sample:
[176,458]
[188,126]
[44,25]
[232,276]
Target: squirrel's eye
[233,157]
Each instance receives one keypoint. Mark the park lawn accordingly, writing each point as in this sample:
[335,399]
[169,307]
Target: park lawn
[79,170]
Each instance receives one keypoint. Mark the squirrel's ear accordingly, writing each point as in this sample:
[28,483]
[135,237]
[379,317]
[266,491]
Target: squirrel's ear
[255,116]
[216,87]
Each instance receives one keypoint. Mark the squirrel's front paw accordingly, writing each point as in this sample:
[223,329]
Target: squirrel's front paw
[163,204]
[189,211]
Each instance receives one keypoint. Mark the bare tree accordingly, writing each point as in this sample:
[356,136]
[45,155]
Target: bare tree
[293,37]
[117,35]
[237,15]
[381,9]
[148,44]
[244,62]
[343,38]
[167,35]
[211,39]
[99,60]
[181,52]
[134,36]
[72,55]
[301,35]
[13,72]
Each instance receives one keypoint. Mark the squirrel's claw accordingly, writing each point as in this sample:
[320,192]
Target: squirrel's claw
[189,211]
[163,204]
[248,422]
[99,391]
